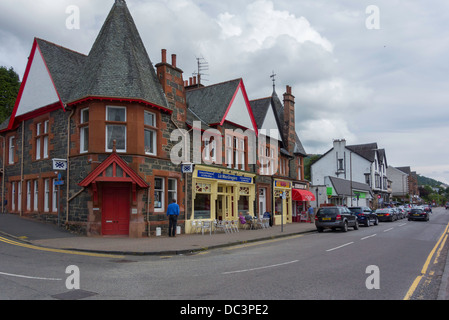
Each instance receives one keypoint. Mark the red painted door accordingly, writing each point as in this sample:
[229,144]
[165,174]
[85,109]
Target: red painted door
[116,207]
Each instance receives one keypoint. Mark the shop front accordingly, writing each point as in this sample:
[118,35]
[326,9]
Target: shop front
[220,194]
[301,198]
[282,199]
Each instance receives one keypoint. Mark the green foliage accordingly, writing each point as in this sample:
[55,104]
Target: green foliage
[9,89]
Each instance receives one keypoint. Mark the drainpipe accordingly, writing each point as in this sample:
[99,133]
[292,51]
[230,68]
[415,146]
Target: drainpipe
[68,166]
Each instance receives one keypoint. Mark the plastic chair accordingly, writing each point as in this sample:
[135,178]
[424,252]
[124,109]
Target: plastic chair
[206,225]
[235,225]
[219,226]
[195,225]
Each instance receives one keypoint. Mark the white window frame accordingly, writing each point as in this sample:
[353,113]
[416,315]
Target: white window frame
[154,153]
[13,196]
[38,141]
[11,150]
[54,200]
[83,130]
[29,195]
[172,191]
[46,124]
[19,197]
[36,195]
[162,198]
[47,195]
[118,124]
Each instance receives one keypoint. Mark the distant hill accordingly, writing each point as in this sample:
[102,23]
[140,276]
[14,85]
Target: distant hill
[428,181]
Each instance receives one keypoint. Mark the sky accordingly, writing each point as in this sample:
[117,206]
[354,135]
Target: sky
[364,71]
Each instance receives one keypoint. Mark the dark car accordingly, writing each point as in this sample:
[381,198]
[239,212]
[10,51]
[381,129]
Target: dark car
[386,214]
[365,216]
[418,214]
[335,217]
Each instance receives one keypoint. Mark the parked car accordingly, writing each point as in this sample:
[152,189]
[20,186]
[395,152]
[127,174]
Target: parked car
[418,214]
[401,213]
[386,214]
[335,217]
[365,216]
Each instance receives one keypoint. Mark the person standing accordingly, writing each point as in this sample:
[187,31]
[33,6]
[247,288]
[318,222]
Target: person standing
[311,214]
[172,213]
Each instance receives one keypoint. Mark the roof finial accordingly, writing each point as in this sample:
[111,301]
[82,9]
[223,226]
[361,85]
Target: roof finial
[273,77]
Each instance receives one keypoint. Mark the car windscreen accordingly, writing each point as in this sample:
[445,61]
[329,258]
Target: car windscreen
[327,211]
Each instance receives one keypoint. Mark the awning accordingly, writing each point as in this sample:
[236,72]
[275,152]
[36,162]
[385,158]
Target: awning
[302,195]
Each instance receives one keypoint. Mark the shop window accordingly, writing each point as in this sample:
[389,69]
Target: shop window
[202,206]
[158,194]
[84,131]
[243,205]
[150,133]
[116,128]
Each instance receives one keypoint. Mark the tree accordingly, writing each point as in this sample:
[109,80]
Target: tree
[9,89]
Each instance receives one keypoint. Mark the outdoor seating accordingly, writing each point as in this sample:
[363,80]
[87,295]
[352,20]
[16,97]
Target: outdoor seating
[196,225]
[235,225]
[206,225]
[219,225]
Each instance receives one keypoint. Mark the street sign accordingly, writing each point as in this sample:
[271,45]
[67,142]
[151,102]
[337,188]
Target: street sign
[59,182]
[187,167]
[59,164]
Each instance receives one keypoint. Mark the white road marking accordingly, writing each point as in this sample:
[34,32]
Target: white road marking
[28,277]
[347,244]
[388,230]
[260,268]
[373,235]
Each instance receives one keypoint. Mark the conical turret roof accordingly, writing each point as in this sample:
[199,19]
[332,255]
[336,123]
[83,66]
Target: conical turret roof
[118,65]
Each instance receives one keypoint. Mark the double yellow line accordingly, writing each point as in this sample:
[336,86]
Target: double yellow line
[439,246]
[30,246]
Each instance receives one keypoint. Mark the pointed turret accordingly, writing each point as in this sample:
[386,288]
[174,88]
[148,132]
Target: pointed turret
[118,65]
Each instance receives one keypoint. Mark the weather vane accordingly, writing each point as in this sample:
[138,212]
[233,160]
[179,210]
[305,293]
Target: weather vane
[273,77]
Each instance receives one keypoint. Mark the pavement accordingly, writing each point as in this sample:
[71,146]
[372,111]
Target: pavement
[50,236]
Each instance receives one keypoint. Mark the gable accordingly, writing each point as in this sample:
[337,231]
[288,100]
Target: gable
[113,169]
[37,89]
[270,123]
[239,110]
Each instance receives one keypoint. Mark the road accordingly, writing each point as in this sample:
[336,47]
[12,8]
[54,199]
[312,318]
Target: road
[391,261]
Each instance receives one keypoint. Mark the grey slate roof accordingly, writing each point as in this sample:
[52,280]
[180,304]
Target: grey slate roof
[260,108]
[343,187]
[64,66]
[210,103]
[118,65]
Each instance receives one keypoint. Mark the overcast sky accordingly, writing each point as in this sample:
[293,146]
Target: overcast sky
[357,73]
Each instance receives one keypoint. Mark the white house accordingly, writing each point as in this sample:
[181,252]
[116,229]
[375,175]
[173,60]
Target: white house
[358,165]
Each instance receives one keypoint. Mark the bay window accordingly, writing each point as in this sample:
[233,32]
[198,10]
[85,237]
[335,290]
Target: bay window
[116,128]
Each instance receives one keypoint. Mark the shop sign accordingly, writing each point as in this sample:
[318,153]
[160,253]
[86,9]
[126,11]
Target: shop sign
[223,176]
[282,184]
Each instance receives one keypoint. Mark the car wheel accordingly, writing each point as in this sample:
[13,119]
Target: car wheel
[376,222]
[345,227]
[356,226]
[320,229]
[367,223]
